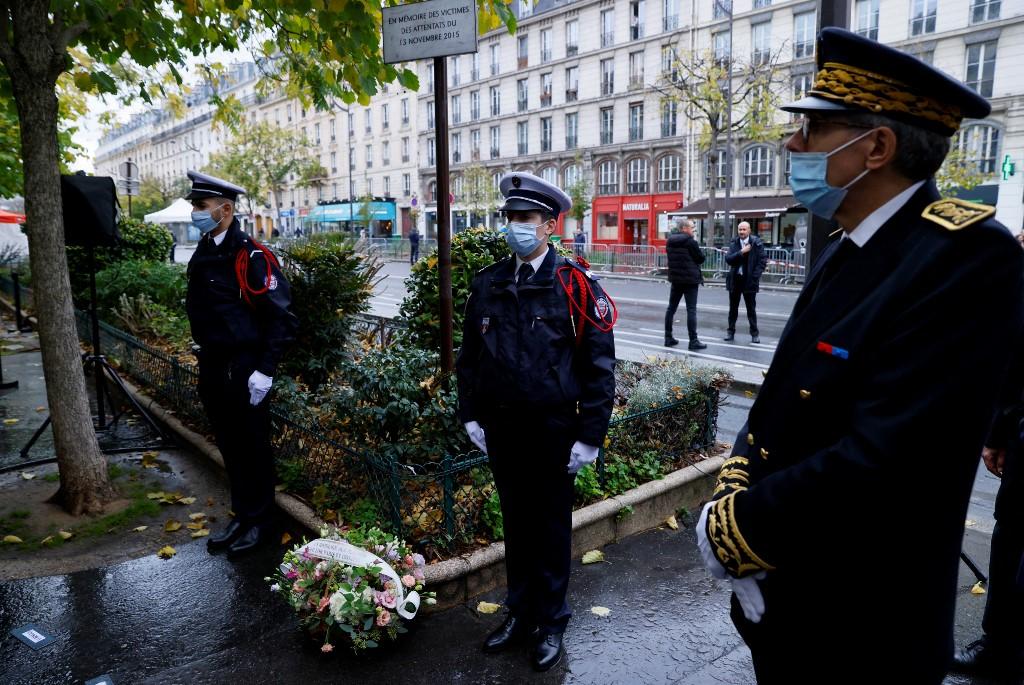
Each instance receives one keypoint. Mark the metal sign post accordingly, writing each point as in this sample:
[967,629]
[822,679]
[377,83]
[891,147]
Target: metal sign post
[129,172]
[436,28]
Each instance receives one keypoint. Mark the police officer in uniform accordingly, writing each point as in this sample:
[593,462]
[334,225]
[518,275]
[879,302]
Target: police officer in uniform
[838,518]
[238,307]
[536,385]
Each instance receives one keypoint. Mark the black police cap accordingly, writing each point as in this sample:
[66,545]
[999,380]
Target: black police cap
[204,185]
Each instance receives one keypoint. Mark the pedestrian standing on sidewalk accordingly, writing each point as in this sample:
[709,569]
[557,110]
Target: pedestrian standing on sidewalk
[414,245]
[238,305]
[746,261]
[536,377]
[579,242]
[684,275]
[839,516]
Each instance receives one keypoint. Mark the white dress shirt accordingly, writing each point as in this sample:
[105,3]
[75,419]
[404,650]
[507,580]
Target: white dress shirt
[874,221]
[535,263]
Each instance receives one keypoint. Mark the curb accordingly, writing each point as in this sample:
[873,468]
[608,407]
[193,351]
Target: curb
[461,578]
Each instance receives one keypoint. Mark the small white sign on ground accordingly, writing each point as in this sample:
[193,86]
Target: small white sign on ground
[435,28]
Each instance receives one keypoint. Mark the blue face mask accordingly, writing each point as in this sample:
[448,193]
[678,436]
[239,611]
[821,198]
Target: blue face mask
[809,180]
[522,238]
[204,221]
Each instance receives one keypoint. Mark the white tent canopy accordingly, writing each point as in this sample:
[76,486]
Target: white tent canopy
[180,211]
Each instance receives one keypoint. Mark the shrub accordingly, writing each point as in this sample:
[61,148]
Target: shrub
[330,284]
[162,282]
[145,319]
[139,242]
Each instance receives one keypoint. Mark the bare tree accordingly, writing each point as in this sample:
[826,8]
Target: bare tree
[479,193]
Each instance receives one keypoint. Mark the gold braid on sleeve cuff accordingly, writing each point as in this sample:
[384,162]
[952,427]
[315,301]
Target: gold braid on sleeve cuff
[733,476]
[727,542]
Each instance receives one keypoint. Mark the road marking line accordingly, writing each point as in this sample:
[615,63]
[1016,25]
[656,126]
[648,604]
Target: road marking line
[689,353]
[701,307]
[761,346]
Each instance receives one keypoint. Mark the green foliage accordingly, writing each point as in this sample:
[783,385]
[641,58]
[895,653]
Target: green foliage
[155,194]
[492,516]
[472,250]
[145,319]
[330,283]
[579,193]
[139,242]
[958,172]
[479,193]
[624,513]
[163,284]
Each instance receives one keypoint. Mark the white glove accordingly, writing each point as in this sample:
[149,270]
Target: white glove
[710,560]
[476,435]
[259,386]
[748,594]
[582,454]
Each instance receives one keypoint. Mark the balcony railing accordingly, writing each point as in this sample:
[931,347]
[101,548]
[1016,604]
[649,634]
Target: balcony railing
[668,129]
[606,137]
[571,142]
[607,39]
[405,159]
[405,121]
[636,32]
[495,69]
[636,133]
[523,62]
[607,87]
[640,187]
[522,104]
[545,145]
[474,75]
[545,55]
[456,156]
[474,154]
[636,82]
[571,50]
[670,23]
[495,153]
[523,149]
[386,161]
[474,114]
[607,188]
[571,95]
[545,100]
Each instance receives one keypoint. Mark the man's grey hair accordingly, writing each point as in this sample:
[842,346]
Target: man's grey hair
[919,152]
[684,223]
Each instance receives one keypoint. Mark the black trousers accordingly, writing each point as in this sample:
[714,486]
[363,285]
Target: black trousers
[414,252]
[690,293]
[750,301]
[1003,622]
[242,432]
[529,456]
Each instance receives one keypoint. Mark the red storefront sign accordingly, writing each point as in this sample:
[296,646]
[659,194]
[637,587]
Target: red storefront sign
[632,219]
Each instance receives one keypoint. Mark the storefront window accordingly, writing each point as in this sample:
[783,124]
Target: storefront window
[608,226]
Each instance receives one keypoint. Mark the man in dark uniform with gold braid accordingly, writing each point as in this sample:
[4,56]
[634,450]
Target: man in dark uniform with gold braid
[838,518]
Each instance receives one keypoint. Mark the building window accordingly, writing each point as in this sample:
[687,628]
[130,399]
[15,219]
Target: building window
[495,101]
[545,89]
[720,173]
[608,76]
[474,143]
[636,176]
[721,9]
[405,111]
[456,109]
[669,15]
[636,19]
[431,152]
[457,147]
[981,67]
[984,10]
[922,16]
[523,52]
[495,59]
[608,178]
[387,186]
[495,142]
[333,130]
[431,191]
[758,4]
[474,73]
[550,174]
[636,121]
[545,45]
[607,125]
[430,117]
[758,167]
[368,120]
[430,76]
[406,185]
[545,134]
[607,28]
[289,112]
[385,117]
[334,162]
[457,186]
[980,146]
[405,149]
[369,156]
[572,175]
[669,110]
[522,138]
[572,84]
[636,70]
[572,37]
[608,226]
[522,92]
[496,182]
[803,34]
[720,42]
[866,12]
[572,128]
[525,8]
[669,64]
[801,84]
[761,42]
[474,105]
[352,123]
[669,178]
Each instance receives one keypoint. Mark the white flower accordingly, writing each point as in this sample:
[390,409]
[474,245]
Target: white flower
[275,588]
[338,602]
[430,601]
[368,595]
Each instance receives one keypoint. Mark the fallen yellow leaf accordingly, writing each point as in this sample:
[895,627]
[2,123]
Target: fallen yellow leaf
[166,552]
[10,422]
[13,539]
[600,611]
[47,540]
[40,408]
[672,523]
[149,460]
[139,529]
[171,526]
[65,535]
[195,525]
[28,475]
[201,533]
[286,538]
[978,589]
[152,454]
[487,607]
[748,393]
[187,500]
[593,556]
[197,515]
[155,495]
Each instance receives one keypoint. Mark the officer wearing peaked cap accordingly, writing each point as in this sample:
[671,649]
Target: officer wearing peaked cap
[238,304]
[536,385]
[838,517]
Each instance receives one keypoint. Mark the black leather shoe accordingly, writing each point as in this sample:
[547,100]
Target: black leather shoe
[511,632]
[247,541]
[697,345]
[755,339]
[729,337]
[223,539]
[547,652]
[671,342]
[981,658]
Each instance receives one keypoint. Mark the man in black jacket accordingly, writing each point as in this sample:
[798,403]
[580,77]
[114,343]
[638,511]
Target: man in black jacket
[746,260]
[238,305]
[684,260]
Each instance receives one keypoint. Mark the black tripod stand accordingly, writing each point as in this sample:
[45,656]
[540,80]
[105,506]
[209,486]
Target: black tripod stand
[102,371]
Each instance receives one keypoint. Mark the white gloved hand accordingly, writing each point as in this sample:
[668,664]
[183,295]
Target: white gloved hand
[580,455]
[259,386]
[706,554]
[748,594]
[476,435]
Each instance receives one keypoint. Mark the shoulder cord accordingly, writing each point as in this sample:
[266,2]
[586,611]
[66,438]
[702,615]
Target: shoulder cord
[579,309]
[242,272]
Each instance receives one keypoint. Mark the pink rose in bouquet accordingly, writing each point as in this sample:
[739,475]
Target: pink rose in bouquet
[383,618]
[408,581]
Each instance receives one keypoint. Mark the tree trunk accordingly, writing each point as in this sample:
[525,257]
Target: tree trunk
[712,189]
[33,68]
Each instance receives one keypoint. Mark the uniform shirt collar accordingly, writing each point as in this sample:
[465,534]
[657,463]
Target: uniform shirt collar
[219,238]
[876,219]
[535,263]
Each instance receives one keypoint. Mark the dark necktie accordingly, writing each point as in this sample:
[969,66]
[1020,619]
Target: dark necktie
[847,248]
[525,272]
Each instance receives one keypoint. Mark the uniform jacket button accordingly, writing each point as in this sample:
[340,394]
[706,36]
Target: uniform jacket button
[764,453]
[764,373]
[805,394]
[750,438]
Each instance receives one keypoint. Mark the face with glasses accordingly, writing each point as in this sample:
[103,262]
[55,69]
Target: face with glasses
[825,135]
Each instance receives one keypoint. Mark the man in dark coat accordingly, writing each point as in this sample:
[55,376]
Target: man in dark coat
[536,382]
[839,516]
[414,245]
[238,304]
[684,275]
[746,260]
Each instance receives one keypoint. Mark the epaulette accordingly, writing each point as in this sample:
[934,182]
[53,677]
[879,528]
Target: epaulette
[953,213]
[584,267]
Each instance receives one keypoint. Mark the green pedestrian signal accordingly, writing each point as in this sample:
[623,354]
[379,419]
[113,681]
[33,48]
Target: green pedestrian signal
[1008,167]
